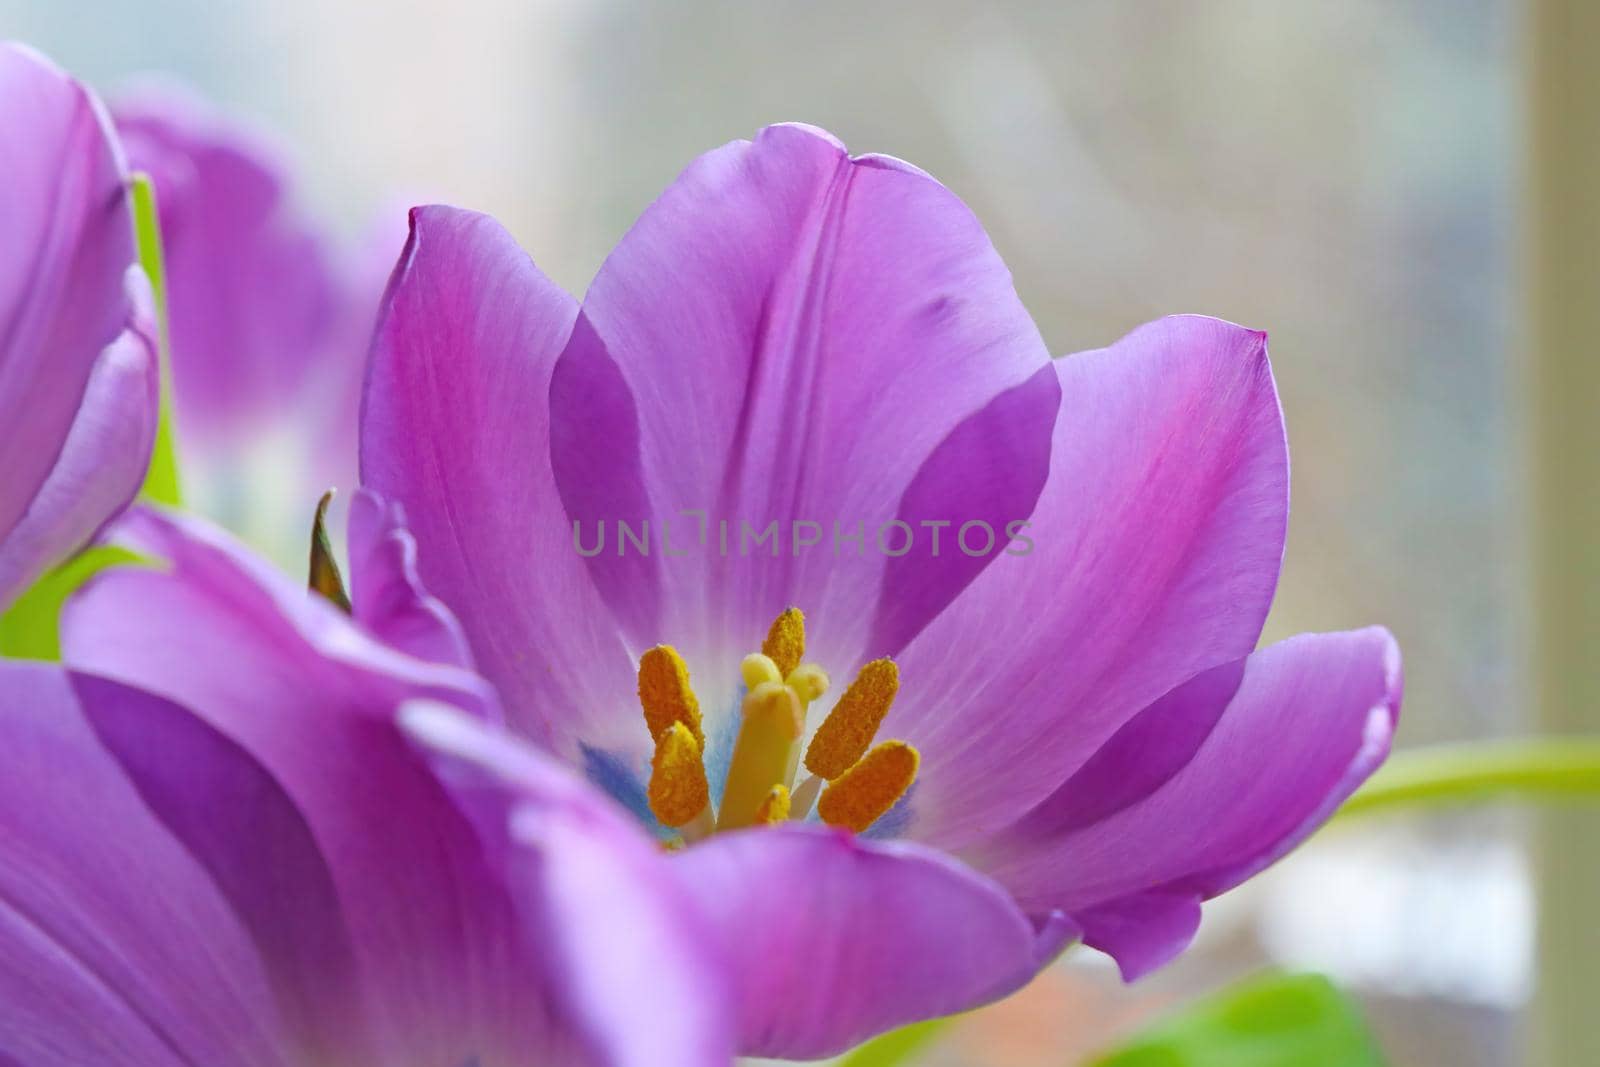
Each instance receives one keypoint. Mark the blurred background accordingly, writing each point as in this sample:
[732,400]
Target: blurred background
[1343,174]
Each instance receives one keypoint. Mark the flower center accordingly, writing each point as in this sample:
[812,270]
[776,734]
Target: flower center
[851,782]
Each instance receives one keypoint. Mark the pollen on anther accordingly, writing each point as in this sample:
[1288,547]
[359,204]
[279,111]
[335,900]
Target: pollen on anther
[860,797]
[678,788]
[847,732]
[786,640]
[775,808]
[665,694]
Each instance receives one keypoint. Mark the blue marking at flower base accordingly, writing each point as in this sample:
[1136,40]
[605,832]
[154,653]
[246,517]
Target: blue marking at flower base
[896,821]
[722,733]
[611,773]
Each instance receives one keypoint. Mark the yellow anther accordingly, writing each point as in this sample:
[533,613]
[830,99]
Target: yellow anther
[848,730]
[808,681]
[678,789]
[786,641]
[757,668]
[665,695]
[775,808]
[763,752]
[860,796]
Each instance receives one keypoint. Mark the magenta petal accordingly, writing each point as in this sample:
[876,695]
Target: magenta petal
[1282,742]
[834,939]
[386,594]
[1144,931]
[999,456]
[286,676]
[103,460]
[455,429]
[66,243]
[1155,549]
[254,295]
[800,330]
[485,924]
[639,974]
[258,850]
[116,946]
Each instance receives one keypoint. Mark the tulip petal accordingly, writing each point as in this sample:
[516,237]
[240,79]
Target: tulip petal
[387,597]
[103,460]
[1284,737]
[253,294]
[834,939]
[116,945]
[640,974]
[800,330]
[1155,550]
[66,242]
[289,678]
[455,429]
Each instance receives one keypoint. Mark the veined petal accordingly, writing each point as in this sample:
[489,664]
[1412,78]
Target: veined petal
[455,429]
[66,243]
[638,970]
[833,939]
[1262,752]
[492,903]
[118,943]
[789,334]
[386,594]
[103,460]
[1155,549]
[290,679]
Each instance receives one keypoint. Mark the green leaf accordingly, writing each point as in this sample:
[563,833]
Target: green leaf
[1558,769]
[898,1046]
[1271,1021]
[29,627]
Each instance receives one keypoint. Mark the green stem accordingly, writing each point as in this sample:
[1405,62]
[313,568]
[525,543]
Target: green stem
[1551,768]
[161,482]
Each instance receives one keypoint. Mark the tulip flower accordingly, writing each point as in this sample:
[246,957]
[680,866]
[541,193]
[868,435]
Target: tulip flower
[79,377]
[926,652]
[269,314]
[222,848]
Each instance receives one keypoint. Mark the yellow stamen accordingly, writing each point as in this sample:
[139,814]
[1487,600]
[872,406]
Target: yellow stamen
[808,681]
[762,754]
[775,808]
[786,641]
[852,724]
[860,796]
[665,695]
[678,789]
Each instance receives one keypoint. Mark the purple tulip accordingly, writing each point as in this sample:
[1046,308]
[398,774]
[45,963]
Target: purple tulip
[269,317]
[1074,738]
[221,848]
[78,367]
